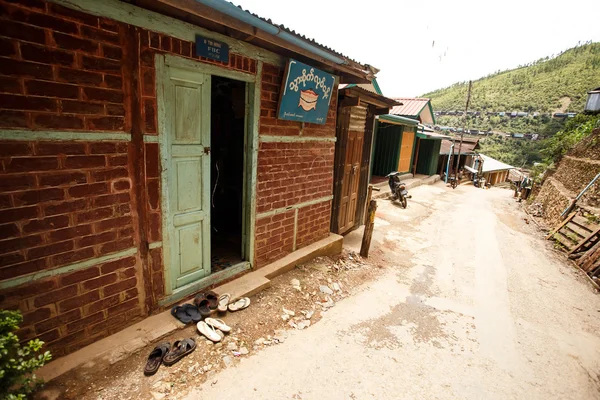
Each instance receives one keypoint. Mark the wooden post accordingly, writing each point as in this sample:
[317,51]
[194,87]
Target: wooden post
[416,157]
[366,242]
[368,202]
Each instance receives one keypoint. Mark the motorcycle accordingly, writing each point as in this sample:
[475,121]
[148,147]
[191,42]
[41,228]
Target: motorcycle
[398,188]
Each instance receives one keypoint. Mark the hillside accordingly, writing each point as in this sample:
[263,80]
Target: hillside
[545,86]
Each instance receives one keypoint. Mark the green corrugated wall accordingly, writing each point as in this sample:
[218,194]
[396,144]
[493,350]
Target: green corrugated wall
[387,148]
[429,153]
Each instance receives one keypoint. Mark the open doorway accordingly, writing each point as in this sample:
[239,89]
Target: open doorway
[228,105]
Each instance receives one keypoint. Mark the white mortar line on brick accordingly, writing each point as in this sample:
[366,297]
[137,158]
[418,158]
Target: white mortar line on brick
[150,138]
[293,207]
[67,268]
[155,245]
[88,136]
[294,139]
[295,229]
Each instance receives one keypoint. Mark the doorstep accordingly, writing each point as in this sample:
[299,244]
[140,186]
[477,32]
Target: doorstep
[119,346]
[410,181]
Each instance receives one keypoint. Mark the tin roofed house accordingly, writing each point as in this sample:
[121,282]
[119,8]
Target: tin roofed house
[148,152]
[403,143]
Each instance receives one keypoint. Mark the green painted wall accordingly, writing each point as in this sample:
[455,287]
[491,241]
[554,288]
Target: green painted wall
[387,148]
[429,153]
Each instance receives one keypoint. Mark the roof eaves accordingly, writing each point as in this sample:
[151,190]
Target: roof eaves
[397,120]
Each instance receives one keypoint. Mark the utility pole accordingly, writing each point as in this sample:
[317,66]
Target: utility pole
[462,133]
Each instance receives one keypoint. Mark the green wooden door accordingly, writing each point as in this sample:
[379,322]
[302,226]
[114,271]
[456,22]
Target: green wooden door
[187,105]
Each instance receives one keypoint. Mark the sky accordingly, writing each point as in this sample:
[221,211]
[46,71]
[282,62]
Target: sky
[420,46]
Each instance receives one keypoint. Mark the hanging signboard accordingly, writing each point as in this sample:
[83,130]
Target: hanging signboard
[305,94]
[212,49]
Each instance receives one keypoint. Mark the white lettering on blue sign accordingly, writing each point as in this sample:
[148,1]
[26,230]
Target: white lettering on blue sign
[311,77]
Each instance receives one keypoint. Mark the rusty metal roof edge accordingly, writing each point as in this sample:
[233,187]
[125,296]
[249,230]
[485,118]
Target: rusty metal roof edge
[391,102]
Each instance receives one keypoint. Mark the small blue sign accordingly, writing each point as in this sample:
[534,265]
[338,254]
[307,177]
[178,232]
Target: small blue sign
[212,49]
[305,94]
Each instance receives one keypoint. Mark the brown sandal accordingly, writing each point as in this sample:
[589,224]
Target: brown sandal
[180,349]
[156,358]
[210,296]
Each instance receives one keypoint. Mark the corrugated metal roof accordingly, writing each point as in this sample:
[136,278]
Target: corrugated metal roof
[466,148]
[411,107]
[397,120]
[490,164]
[369,96]
[433,136]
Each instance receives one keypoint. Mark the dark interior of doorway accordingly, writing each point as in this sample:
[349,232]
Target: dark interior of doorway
[227,171]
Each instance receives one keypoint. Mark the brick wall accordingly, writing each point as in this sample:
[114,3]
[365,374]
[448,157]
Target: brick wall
[76,309]
[68,202]
[274,237]
[59,69]
[62,202]
[313,223]
[290,173]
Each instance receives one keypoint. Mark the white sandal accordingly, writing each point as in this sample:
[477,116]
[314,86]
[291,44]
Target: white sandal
[240,304]
[208,331]
[224,300]
[218,324]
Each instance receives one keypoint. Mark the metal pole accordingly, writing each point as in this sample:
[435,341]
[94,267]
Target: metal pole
[448,162]
[463,132]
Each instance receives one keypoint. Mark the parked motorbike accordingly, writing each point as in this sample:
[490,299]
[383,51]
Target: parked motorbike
[398,188]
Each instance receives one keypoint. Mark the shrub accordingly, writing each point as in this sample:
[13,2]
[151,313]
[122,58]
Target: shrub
[18,362]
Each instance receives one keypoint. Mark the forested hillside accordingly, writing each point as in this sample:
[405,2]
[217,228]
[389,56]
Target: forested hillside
[546,86]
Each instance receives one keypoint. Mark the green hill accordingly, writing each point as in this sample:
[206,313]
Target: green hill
[546,86]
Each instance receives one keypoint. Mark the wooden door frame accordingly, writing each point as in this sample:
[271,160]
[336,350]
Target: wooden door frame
[253,87]
[342,132]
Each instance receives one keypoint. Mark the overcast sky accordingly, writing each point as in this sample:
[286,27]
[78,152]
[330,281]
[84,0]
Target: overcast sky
[421,46]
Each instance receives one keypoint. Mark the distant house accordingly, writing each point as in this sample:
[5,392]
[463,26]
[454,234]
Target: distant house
[467,151]
[494,171]
[592,105]
[403,143]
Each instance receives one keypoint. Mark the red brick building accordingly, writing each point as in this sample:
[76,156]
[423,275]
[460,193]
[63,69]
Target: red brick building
[134,172]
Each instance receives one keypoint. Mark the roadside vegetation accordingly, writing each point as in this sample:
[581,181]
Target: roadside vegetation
[539,155]
[558,83]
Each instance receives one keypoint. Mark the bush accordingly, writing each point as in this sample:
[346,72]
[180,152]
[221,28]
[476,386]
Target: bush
[575,130]
[18,362]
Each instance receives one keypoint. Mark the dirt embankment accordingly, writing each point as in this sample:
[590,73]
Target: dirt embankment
[574,172]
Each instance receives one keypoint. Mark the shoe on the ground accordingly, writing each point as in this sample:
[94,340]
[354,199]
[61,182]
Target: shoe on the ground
[208,331]
[155,358]
[218,324]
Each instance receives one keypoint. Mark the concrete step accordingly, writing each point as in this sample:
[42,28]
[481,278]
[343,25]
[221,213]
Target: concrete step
[111,349]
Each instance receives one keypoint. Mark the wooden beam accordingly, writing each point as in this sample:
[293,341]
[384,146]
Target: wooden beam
[350,102]
[382,110]
[570,217]
[582,243]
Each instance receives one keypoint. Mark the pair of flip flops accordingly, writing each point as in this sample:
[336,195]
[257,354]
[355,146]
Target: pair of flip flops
[211,328]
[239,304]
[187,313]
[207,303]
[166,354]
[224,303]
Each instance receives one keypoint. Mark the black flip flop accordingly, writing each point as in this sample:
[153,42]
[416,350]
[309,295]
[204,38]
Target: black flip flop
[155,358]
[180,313]
[180,349]
[193,312]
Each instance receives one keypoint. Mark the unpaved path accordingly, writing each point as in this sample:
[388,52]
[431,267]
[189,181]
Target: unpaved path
[475,305]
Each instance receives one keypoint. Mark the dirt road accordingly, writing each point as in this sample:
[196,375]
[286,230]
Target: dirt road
[476,305]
